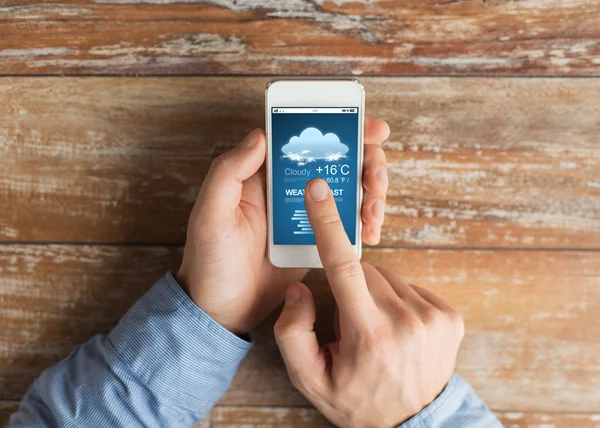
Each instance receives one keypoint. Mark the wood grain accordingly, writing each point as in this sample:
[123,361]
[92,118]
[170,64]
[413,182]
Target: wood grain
[549,420]
[543,37]
[298,417]
[532,343]
[532,340]
[56,297]
[473,162]
[265,417]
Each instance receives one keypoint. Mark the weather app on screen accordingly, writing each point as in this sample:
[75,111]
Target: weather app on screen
[308,143]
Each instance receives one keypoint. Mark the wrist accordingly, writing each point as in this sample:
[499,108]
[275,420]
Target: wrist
[233,324]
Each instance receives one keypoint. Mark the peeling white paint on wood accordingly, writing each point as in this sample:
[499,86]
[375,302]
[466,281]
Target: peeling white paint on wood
[118,63]
[245,416]
[472,163]
[185,46]
[323,37]
[426,235]
[461,62]
[283,9]
[36,52]
[515,354]
[469,163]
[31,12]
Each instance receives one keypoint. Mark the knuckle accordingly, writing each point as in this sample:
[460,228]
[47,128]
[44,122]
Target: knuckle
[347,269]
[374,183]
[330,219]
[371,172]
[376,151]
[376,337]
[283,330]
[457,322]
[415,329]
[432,316]
[220,163]
[278,328]
[383,155]
[295,377]
[300,380]
[444,320]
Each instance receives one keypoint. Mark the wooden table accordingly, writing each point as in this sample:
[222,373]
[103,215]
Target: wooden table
[112,110]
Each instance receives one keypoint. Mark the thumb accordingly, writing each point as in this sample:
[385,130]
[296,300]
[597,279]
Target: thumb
[306,362]
[222,189]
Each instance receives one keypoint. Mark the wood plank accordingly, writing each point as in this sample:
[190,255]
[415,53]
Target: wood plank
[549,420]
[532,343]
[543,37]
[532,339]
[55,297]
[264,417]
[473,162]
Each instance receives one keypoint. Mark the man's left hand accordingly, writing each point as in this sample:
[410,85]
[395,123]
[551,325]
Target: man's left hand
[225,267]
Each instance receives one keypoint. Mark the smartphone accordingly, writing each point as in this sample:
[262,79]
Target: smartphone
[314,129]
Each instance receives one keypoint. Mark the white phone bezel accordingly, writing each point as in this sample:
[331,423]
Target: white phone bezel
[312,93]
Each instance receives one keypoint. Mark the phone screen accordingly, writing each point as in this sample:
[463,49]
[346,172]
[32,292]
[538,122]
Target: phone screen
[308,143]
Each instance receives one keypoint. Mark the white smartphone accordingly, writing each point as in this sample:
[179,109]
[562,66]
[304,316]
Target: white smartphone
[314,129]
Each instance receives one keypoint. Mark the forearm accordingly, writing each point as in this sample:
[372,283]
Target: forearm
[457,406]
[165,364]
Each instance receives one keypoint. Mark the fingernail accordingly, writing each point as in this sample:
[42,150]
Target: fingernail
[378,210]
[250,140]
[382,175]
[319,190]
[293,295]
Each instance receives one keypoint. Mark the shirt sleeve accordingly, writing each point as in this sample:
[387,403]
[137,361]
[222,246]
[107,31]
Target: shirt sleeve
[165,364]
[456,407]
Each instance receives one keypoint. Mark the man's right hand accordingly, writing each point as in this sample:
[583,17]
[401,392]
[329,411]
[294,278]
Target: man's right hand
[397,343]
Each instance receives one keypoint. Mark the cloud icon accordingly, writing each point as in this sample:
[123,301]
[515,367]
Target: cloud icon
[312,145]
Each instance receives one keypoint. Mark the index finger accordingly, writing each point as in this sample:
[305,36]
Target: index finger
[341,263]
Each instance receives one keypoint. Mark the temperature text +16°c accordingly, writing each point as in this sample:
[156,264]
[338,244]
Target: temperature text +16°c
[334,169]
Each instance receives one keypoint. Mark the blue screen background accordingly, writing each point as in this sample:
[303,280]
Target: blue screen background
[288,208]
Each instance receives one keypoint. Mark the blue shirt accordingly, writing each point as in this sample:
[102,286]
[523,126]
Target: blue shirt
[166,364]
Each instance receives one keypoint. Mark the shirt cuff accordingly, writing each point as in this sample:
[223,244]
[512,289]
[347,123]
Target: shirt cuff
[446,404]
[172,345]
